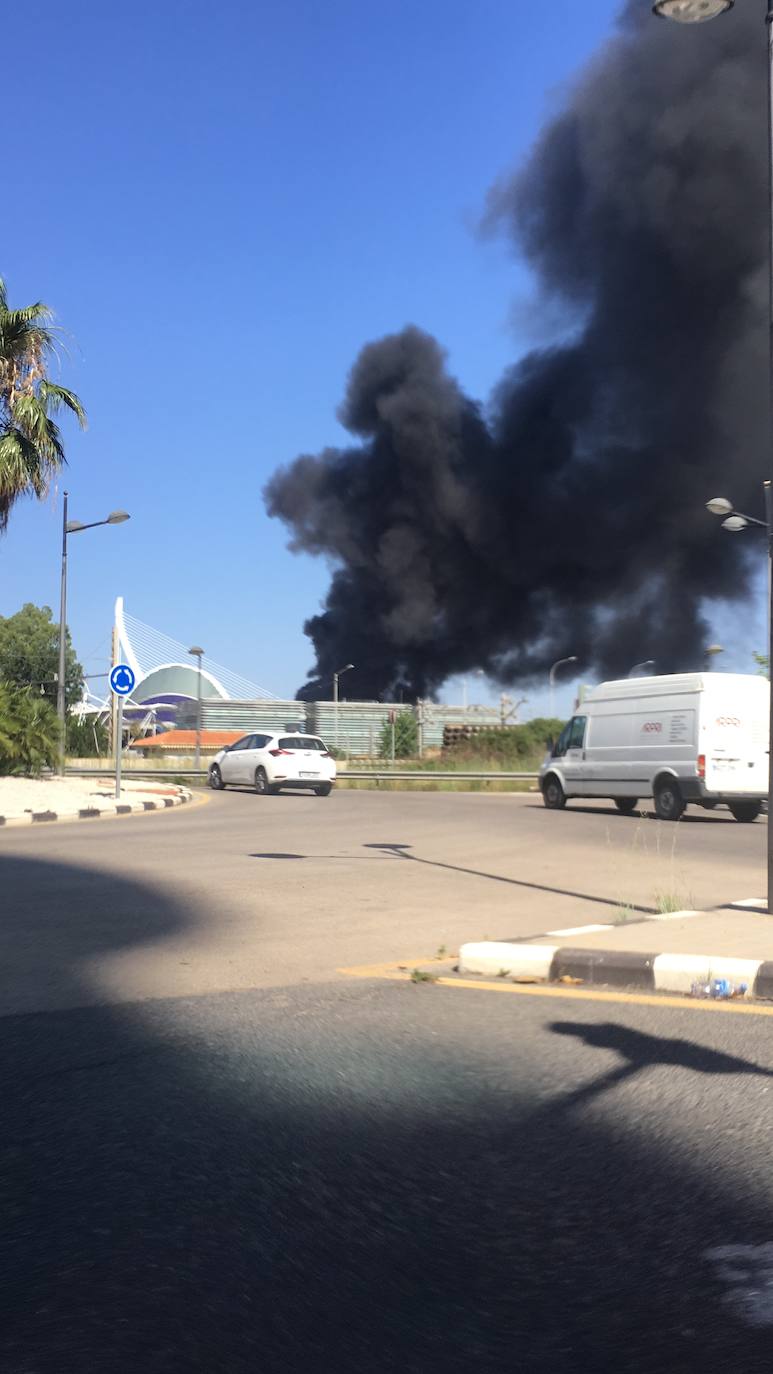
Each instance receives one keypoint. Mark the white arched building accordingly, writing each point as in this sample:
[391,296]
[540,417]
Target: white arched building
[166,674]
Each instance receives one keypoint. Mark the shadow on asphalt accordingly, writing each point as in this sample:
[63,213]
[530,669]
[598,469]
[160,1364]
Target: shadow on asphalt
[689,817]
[335,1180]
[401,851]
[640,1052]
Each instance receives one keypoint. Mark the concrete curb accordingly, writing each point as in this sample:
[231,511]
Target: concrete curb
[614,968]
[112,808]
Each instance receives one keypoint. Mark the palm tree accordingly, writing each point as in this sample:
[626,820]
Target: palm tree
[31,450]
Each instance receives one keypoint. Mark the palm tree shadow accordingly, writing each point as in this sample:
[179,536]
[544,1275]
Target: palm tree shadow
[640,1052]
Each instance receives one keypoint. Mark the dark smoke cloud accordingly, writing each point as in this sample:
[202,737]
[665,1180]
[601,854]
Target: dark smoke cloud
[568,517]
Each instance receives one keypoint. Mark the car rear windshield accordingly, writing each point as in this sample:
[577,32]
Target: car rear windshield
[301,742]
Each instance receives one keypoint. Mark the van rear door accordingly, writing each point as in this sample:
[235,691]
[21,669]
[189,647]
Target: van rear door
[734,744]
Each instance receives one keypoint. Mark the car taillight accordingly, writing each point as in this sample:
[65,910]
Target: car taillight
[276,753]
[701,765]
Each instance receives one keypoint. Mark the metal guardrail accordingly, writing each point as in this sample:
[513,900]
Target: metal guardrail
[355,775]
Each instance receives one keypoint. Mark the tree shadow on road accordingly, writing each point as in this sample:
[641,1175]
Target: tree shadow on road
[349,1179]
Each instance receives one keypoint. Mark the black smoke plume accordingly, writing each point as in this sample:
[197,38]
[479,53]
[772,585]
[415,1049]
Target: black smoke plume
[568,516]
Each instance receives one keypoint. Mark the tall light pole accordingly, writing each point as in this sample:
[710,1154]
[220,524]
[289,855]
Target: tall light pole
[198,654]
[734,521]
[645,663]
[692,12]
[552,680]
[336,676]
[116,517]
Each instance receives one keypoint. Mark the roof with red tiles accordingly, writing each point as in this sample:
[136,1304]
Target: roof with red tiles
[184,740]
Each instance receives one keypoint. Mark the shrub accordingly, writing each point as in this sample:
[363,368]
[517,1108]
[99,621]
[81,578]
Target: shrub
[406,737]
[29,731]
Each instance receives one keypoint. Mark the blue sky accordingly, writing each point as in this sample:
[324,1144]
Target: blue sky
[223,203]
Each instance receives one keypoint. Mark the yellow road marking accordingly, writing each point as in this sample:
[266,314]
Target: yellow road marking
[401,972]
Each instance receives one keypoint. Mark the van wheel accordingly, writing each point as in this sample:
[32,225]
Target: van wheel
[553,793]
[745,811]
[626,804]
[669,802]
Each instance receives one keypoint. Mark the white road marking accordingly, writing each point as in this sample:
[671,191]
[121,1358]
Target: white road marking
[578,930]
[748,1272]
[673,915]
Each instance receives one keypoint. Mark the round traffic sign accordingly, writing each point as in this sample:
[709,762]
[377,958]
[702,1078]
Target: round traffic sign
[122,680]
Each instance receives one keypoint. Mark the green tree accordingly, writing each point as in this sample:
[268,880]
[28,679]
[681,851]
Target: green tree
[29,654]
[406,737]
[29,731]
[762,664]
[86,737]
[31,450]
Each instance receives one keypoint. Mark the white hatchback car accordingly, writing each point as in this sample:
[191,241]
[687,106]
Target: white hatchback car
[270,762]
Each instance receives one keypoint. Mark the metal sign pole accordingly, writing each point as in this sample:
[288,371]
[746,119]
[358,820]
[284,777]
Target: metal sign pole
[118,749]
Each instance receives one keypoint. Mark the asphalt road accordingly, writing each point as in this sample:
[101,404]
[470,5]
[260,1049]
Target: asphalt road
[301,1172]
[386,1177]
[273,890]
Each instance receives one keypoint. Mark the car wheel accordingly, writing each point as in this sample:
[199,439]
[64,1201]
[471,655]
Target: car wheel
[627,805]
[669,802]
[745,811]
[324,790]
[216,778]
[262,785]
[553,793]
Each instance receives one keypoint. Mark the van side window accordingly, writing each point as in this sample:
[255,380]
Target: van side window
[562,743]
[577,732]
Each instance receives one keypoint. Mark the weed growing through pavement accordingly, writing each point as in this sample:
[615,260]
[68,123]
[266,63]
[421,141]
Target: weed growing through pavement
[668,902]
[419,976]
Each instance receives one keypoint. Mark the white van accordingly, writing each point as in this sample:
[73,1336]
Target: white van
[691,737]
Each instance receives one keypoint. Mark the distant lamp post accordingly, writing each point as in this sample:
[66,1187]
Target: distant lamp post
[116,517]
[552,680]
[710,652]
[734,521]
[198,654]
[346,669]
[646,663]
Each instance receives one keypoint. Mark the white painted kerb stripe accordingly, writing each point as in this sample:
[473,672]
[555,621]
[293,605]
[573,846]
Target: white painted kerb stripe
[578,930]
[492,956]
[678,972]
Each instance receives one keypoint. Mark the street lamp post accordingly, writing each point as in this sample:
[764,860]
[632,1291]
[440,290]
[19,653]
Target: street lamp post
[692,12]
[336,676]
[645,663]
[552,680]
[734,521]
[116,517]
[198,654]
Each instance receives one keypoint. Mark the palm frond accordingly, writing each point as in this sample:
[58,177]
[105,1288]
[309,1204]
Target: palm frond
[28,314]
[54,397]
[24,469]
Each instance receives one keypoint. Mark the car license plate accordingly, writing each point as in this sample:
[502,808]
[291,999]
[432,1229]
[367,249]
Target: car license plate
[309,775]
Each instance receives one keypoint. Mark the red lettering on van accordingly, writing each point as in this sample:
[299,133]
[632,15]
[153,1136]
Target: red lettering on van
[652,726]
[727,720]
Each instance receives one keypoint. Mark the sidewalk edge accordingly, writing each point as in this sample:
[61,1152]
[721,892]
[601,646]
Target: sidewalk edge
[614,968]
